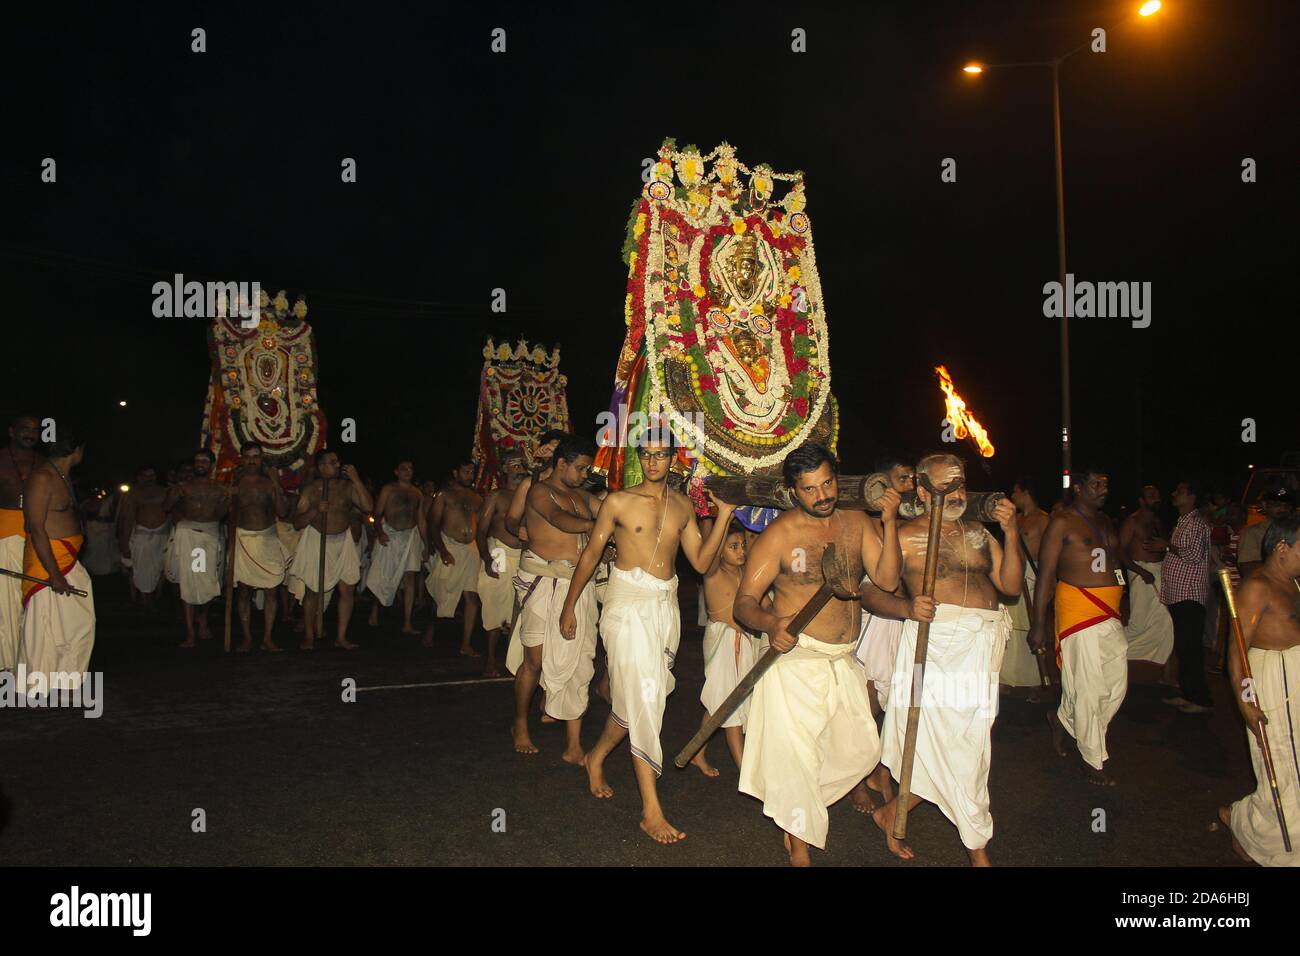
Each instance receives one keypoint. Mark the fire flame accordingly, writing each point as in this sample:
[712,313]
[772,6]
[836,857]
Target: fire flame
[963,422]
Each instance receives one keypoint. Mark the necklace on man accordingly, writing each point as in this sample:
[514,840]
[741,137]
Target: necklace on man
[22,479]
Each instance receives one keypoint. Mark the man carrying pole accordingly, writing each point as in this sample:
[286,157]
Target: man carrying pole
[1266,619]
[811,736]
[948,753]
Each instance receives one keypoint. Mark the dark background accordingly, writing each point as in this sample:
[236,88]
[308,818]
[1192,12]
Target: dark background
[478,171]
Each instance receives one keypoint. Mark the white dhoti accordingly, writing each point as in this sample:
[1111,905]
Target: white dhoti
[728,656]
[11,600]
[446,584]
[1020,665]
[198,554]
[876,650]
[1254,819]
[390,562]
[342,564]
[289,537]
[567,666]
[58,635]
[148,550]
[959,703]
[260,559]
[102,553]
[810,737]
[171,563]
[641,623]
[497,595]
[1094,679]
[1150,629]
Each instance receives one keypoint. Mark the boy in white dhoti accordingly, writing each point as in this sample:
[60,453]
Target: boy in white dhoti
[1081,567]
[968,636]
[641,620]
[559,514]
[143,533]
[1268,605]
[499,551]
[197,546]
[811,737]
[399,548]
[16,466]
[729,650]
[260,560]
[1150,629]
[456,564]
[58,627]
[334,498]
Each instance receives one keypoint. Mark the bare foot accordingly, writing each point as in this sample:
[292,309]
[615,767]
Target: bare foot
[345,645]
[596,780]
[860,799]
[706,768]
[410,630]
[1225,817]
[523,743]
[187,643]
[574,756]
[492,671]
[979,857]
[660,830]
[307,646]
[271,647]
[244,646]
[797,857]
[469,652]
[879,781]
[1098,778]
[1058,733]
[884,818]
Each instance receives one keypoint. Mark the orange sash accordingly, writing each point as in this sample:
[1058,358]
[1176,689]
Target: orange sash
[11,523]
[66,551]
[1080,608]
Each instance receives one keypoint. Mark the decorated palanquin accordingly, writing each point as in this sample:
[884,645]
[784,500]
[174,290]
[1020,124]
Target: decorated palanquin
[521,394]
[726,329]
[263,388]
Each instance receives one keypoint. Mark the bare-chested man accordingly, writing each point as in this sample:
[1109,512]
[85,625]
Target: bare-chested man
[1150,629]
[560,515]
[546,445]
[456,563]
[1082,564]
[399,549]
[641,620]
[333,497]
[17,463]
[1020,666]
[260,560]
[811,737]
[1268,604]
[142,530]
[729,650]
[58,629]
[968,635]
[499,551]
[200,503]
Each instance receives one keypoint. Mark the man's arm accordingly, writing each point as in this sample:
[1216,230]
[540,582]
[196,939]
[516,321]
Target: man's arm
[306,510]
[384,495]
[1252,603]
[543,502]
[1049,554]
[485,513]
[1008,574]
[701,555]
[360,497]
[587,561]
[1123,550]
[435,529]
[918,608]
[37,495]
[762,566]
[515,516]
[883,559]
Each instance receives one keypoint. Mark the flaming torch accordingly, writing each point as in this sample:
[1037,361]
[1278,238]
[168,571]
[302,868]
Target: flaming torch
[963,422]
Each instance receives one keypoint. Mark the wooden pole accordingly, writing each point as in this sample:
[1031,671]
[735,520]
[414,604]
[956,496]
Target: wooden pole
[1040,655]
[232,542]
[27,577]
[746,685]
[937,496]
[320,580]
[856,492]
[1225,580]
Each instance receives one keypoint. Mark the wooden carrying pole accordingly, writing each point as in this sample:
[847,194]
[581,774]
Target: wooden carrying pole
[856,492]
[1040,655]
[320,580]
[937,496]
[232,542]
[746,685]
[27,577]
[1225,579]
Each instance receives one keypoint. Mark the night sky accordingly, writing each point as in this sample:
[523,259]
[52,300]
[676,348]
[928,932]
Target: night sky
[478,171]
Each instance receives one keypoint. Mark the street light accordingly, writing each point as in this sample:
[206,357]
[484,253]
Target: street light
[975,69]
[122,403]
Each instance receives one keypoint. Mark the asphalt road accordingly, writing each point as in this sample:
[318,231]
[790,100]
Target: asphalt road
[286,772]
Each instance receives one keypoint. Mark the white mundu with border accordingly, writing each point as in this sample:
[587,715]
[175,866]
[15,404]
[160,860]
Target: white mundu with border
[198,553]
[567,666]
[390,562]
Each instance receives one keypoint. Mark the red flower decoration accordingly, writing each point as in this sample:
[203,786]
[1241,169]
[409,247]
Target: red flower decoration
[708,383]
[800,406]
[778,430]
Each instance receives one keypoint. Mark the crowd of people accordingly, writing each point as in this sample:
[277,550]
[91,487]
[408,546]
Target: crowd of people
[1063,601]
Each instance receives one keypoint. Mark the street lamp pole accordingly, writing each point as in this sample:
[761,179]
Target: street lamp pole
[1060,255]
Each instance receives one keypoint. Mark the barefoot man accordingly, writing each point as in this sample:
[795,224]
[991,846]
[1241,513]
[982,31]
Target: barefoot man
[560,515]
[455,566]
[811,737]
[1150,629]
[260,558]
[968,636]
[17,464]
[58,626]
[342,563]
[1268,604]
[1080,561]
[200,503]
[499,550]
[641,621]
[729,651]
[142,530]
[399,548]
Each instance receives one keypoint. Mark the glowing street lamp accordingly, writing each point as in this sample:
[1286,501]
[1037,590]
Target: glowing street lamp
[1148,8]
[122,403]
[972,68]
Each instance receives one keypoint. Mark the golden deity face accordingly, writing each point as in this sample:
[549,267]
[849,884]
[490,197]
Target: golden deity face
[744,268]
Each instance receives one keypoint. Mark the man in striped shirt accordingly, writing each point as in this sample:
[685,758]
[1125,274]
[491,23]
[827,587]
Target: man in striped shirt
[1184,589]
